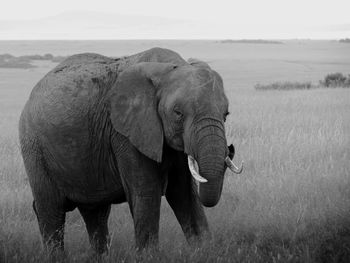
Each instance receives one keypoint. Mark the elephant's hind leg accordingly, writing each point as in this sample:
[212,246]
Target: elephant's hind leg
[51,219]
[48,203]
[96,221]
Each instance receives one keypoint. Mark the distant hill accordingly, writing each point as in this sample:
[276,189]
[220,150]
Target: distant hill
[344,40]
[250,41]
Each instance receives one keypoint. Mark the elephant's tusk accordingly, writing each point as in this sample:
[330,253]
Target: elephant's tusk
[192,165]
[233,167]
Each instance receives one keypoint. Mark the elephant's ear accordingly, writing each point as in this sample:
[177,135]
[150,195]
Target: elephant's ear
[198,63]
[134,104]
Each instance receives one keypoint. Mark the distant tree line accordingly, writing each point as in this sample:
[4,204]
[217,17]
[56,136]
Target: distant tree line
[333,80]
[250,41]
[26,61]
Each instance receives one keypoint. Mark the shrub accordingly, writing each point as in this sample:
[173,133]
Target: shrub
[336,80]
[287,85]
[333,80]
[344,40]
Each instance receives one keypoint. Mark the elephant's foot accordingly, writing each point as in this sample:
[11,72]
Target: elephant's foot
[148,243]
[56,254]
[96,221]
[198,240]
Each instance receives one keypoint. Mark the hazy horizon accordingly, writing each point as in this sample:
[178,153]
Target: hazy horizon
[86,20]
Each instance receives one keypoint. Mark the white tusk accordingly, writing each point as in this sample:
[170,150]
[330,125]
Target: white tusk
[233,167]
[192,164]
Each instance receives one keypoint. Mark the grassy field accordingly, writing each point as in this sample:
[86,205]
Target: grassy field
[291,204]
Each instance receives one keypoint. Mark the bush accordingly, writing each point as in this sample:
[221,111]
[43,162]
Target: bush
[287,85]
[344,40]
[336,80]
[333,80]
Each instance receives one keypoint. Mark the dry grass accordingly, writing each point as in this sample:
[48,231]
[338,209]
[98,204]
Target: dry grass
[292,203]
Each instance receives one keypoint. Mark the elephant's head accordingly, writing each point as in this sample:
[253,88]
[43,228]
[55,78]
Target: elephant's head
[183,106]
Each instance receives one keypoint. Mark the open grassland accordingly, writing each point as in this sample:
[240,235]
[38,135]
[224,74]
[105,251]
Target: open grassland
[291,204]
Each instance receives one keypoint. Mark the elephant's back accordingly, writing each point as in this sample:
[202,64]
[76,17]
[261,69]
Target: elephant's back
[69,91]
[61,107]
[76,77]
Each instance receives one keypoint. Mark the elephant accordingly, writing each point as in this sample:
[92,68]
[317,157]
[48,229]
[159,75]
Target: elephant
[98,131]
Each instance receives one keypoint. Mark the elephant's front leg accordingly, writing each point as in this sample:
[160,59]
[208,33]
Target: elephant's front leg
[182,196]
[142,183]
[145,210]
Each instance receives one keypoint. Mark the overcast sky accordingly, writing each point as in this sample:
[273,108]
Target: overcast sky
[222,18]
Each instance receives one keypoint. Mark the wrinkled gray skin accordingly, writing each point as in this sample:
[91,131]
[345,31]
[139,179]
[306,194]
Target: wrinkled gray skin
[98,131]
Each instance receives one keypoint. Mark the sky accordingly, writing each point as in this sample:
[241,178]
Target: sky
[184,18]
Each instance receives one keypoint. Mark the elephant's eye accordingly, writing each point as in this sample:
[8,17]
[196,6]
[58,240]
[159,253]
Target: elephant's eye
[178,114]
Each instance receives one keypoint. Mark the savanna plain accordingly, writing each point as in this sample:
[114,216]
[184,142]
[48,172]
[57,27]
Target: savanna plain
[291,203]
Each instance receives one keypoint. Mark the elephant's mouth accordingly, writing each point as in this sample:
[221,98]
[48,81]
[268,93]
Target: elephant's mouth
[194,169]
[210,176]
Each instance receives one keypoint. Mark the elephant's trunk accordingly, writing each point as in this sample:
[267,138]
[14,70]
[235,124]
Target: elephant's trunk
[210,153]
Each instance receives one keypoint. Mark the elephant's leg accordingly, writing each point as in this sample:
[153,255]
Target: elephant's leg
[182,196]
[142,184]
[48,203]
[51,219]
[146,212]
[96,221]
